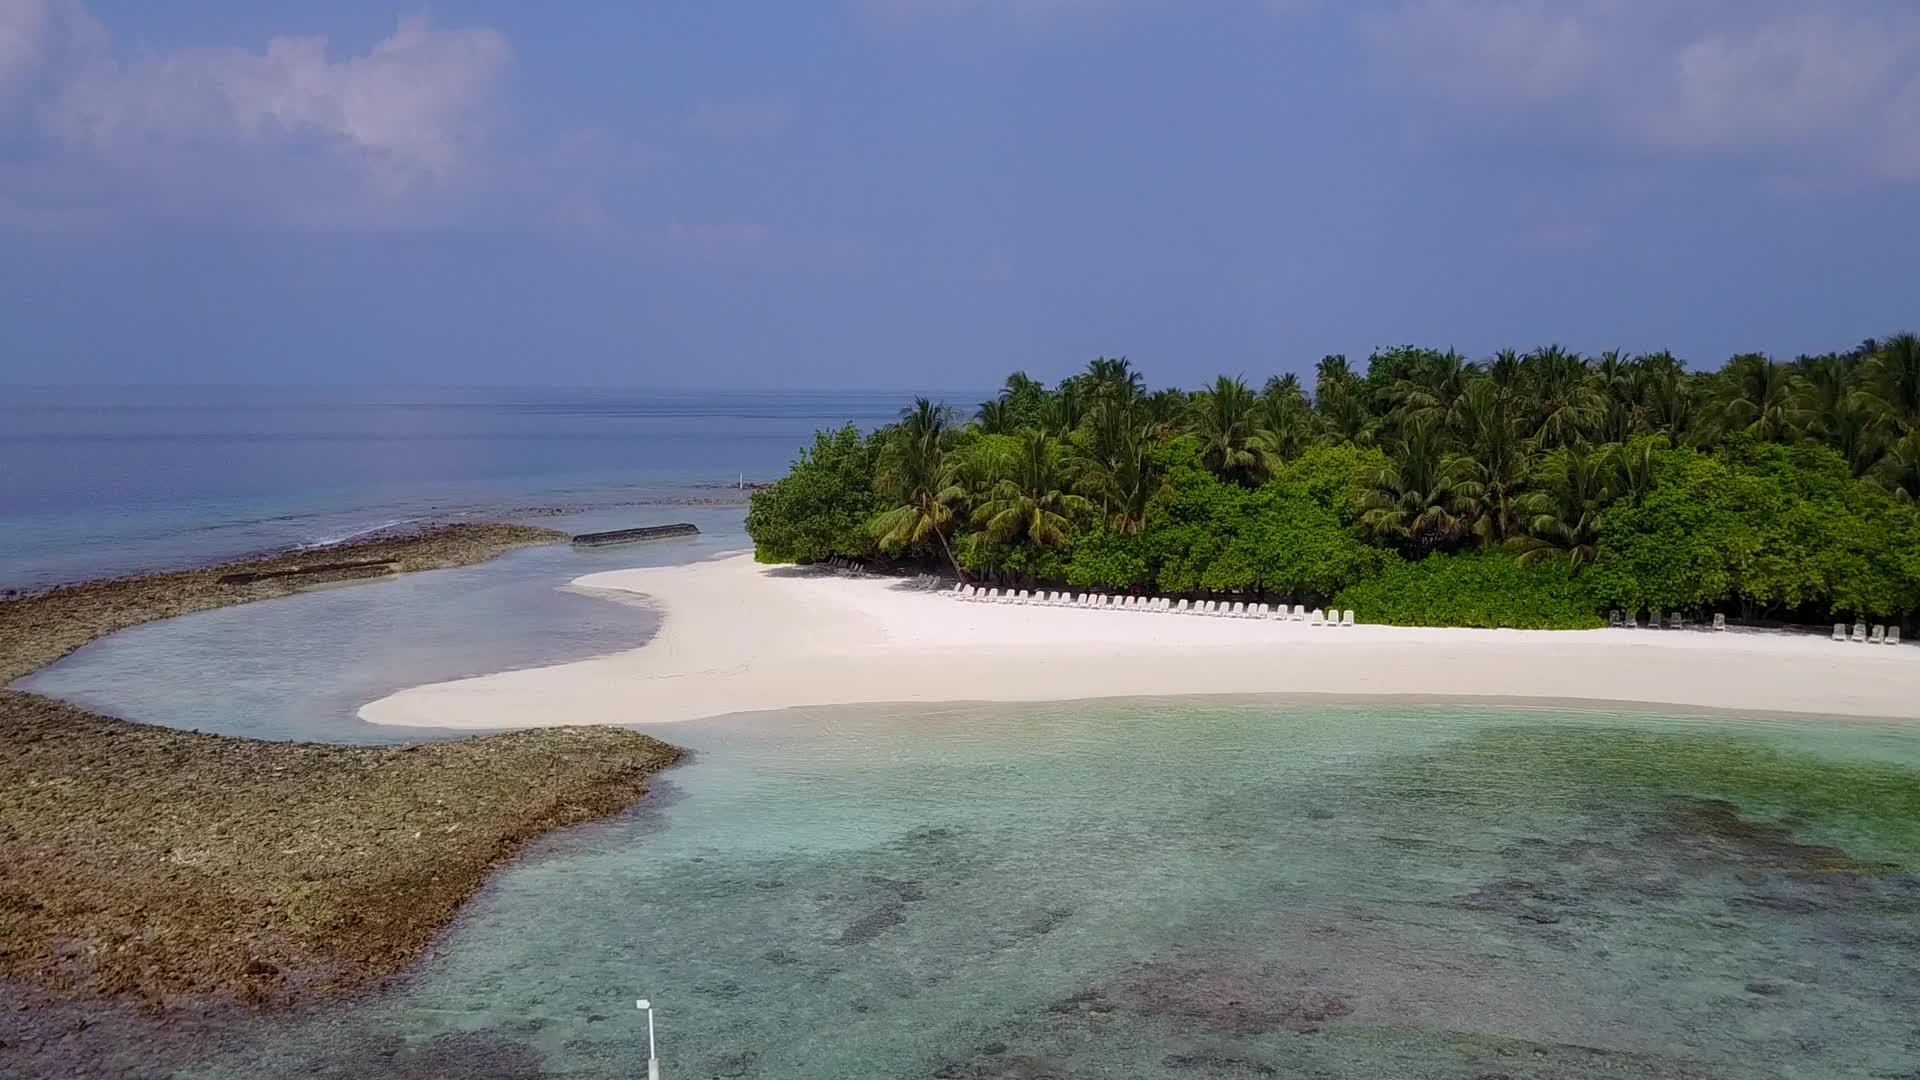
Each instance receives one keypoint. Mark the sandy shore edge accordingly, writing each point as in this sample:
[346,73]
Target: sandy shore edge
[739,637]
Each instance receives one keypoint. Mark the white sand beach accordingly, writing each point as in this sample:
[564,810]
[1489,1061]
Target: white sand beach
[740,637]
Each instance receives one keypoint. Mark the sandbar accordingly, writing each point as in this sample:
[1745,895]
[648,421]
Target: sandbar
[739,637]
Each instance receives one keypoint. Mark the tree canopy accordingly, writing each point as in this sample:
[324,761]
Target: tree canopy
[1526,489]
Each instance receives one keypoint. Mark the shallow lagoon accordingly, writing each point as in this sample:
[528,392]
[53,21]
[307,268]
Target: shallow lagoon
[299,666]
[1193,889]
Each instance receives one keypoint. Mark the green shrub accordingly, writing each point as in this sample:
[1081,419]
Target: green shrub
[822,507]
[1483,590]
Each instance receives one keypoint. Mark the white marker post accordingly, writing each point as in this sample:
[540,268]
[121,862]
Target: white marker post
[653,1063]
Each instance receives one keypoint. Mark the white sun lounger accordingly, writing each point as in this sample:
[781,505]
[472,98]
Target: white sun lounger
[1893,635]
[1878,636]
[1719,620]
[1860,633]
[1317,618]
[1839,631]
[1346,618]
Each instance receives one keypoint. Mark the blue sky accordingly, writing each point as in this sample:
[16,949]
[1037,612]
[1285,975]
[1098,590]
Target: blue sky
[910,193]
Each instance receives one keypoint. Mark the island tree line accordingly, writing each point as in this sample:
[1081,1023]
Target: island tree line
[1527,490]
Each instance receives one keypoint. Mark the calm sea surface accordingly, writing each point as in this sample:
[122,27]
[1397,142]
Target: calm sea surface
[111,481]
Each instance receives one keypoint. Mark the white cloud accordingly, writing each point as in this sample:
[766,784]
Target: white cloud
[407,110]
[1837,83]
[411,129]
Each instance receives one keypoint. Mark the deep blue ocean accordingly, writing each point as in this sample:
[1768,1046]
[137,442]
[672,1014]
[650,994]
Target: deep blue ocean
[103,481]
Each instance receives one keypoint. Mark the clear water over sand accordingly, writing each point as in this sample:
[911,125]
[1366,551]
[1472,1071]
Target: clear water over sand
[298,667]
[1193,889]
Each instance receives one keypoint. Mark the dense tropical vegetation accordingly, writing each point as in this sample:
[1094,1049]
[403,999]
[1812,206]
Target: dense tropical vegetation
[1534,489]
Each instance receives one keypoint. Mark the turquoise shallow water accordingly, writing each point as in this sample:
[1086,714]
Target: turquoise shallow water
[1191,889]
[298,667]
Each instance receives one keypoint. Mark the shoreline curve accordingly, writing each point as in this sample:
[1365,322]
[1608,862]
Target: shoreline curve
[739,637]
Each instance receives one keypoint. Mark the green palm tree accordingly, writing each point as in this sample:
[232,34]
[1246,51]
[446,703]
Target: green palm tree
[1164,409]
[913,474]
[1432,385]
[1340,402]
[1633,466]
[1672,403]
[1899,467]
[1283,421]
[1620,415]
[997,417]
[1064,409]
[1562,518]
[1562,402]
[1118,470]
[1505,370]
[1112,380]
[1759,396]
[1891,377]
[1490,473]
[1032,499]
[1837,412]
[1223,417]
[1026,401]
[1411,500]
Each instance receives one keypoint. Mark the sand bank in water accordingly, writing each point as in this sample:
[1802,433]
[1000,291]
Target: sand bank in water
[739,637]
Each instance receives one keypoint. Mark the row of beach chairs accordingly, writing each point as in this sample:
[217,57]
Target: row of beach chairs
[1674,621]
[1879,635]
[845,566]
[1860,634]
[1104,602]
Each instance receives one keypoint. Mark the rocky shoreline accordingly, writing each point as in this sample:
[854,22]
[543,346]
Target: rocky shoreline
[180,872]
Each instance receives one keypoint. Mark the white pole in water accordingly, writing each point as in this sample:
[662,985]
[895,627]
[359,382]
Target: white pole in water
[653,1063]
